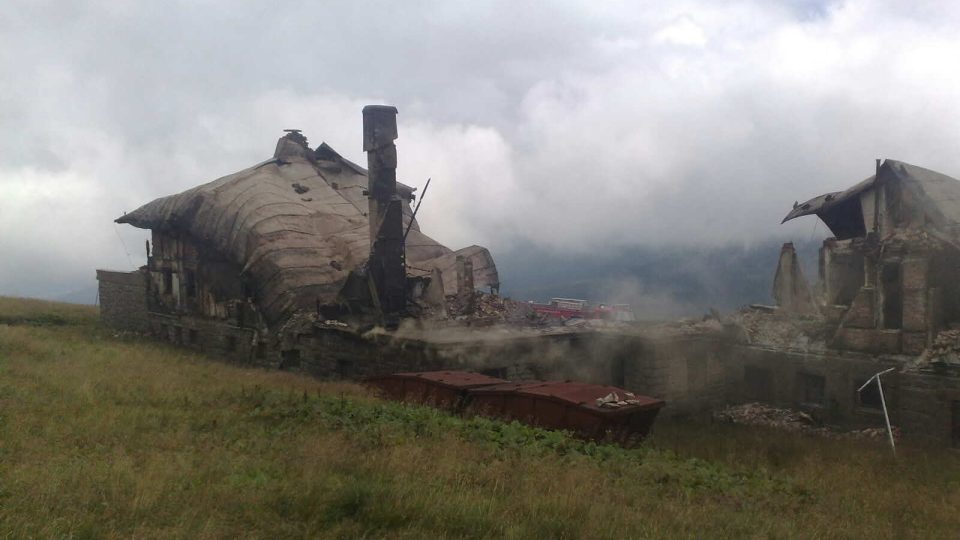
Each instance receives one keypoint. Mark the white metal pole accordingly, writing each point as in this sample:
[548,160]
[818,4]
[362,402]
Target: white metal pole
[886,416]
[883,402]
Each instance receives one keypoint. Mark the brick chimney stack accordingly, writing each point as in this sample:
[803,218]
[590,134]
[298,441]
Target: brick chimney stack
[387,263]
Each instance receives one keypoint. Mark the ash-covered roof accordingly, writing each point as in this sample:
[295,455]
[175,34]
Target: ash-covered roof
[297,225]
[931,199]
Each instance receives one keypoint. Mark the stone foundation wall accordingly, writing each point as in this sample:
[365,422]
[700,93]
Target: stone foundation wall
[795,377]
[211,336]
[123,300]
[930,406]
[693,374]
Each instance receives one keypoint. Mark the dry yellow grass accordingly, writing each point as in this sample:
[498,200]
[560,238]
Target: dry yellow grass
[102,437]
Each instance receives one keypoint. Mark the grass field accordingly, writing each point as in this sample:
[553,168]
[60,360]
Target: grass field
[106,437]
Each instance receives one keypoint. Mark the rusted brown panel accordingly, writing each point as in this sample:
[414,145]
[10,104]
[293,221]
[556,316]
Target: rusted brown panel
[439,388]
[552,405]
[585,395]
[565,405]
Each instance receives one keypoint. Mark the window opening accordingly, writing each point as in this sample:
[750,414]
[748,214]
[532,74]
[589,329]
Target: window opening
[892,296]
[869,397]
[955,423]
[812,389]
[290,359]
[167,281]
[191,283]
[758,383]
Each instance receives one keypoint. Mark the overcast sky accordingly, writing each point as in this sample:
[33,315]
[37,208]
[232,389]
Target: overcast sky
[576,125]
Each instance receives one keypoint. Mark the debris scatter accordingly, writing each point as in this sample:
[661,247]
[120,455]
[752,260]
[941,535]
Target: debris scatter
[758,414]
[781,331]
[613,401]
[945,348]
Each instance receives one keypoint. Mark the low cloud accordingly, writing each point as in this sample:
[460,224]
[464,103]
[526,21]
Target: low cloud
[573,127]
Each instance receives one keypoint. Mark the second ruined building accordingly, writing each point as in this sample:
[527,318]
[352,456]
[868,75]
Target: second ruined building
[888,274]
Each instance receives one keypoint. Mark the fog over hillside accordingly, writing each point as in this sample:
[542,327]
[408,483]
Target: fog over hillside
[658,283]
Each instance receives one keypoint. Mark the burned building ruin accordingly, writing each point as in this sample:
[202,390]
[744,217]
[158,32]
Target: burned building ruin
[245,266]
[888,274]
[309,262]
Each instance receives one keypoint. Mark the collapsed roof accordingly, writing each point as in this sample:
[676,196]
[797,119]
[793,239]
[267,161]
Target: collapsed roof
[297,225]
[927,200]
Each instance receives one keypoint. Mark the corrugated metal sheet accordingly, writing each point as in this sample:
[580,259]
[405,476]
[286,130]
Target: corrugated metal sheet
[567,405]
[444,389]
[586,395]
[551,404]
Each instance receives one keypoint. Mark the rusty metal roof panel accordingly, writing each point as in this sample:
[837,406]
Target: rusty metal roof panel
[445,389]
[574,393]
[586,395]
[454,379]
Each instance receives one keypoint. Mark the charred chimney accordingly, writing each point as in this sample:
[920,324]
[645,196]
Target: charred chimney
[387,264]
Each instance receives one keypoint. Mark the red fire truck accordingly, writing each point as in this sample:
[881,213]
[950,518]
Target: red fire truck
[569,308]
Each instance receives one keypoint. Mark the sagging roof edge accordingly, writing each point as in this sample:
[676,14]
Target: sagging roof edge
[128,217]
[823,203]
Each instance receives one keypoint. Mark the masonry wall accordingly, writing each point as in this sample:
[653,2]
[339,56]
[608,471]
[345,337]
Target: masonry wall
[930,406]
[211,336]
[123,300]
[692,374]
[792,379]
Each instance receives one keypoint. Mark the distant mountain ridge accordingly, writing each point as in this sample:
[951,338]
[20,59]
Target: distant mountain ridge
[657,282]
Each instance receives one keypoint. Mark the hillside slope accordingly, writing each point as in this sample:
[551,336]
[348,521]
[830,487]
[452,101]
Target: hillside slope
[105,437]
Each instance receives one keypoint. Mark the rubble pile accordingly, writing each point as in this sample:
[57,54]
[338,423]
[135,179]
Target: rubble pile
[945,348]
[613,401]
[493,309]
[708,324]
[758,414]
[870,434]
[771,329]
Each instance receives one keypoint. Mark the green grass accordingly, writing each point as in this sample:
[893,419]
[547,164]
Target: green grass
[105,437]
[44,313]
